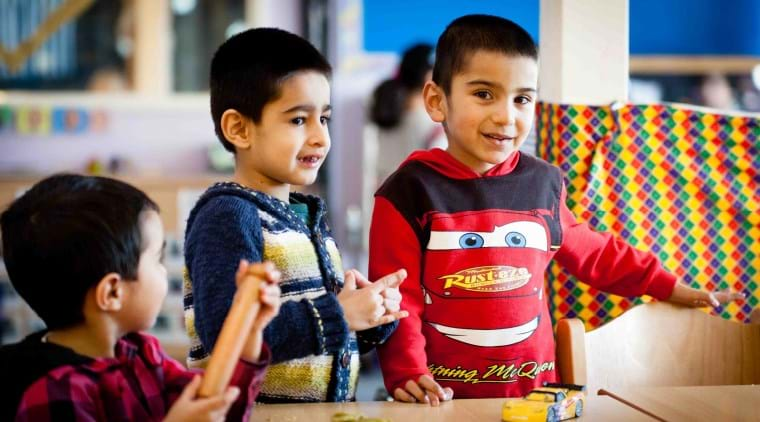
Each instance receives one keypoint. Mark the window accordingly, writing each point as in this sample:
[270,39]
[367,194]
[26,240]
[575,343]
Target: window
[87,52]
[200,26]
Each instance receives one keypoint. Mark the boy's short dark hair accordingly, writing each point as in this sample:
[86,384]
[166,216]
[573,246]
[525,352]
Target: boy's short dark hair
[468,34]
[247,70]
[64,234]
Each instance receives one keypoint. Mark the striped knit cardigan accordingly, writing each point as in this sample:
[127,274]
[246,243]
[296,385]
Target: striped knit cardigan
[315,357]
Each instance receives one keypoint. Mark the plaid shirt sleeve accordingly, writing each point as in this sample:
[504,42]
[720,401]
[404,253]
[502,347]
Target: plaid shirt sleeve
[67,398]
[248,377]
[141,383]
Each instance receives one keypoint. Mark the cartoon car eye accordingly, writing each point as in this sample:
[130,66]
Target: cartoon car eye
[519,234]
[471,241]
[515,240]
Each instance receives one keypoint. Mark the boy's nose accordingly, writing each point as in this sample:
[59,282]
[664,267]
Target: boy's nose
[319,137]
[505,115]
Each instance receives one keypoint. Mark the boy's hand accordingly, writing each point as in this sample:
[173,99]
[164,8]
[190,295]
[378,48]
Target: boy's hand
[365,308]
[688,296]
[269,290]
[391,295]
[269,295]
[425,390]
[189,408]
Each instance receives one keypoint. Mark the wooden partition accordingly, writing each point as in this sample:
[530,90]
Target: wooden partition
[659,344]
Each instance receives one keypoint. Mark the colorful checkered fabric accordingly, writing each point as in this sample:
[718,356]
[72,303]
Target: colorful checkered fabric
[679,182]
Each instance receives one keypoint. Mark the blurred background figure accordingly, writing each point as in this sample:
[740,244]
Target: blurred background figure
[399,115]
[108,79]
[397,124]
[715,91]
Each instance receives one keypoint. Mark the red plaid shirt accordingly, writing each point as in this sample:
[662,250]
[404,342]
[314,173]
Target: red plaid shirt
[139,384]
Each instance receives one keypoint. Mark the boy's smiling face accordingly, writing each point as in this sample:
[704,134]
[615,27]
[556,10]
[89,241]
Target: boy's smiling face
[290,143]
[488,111]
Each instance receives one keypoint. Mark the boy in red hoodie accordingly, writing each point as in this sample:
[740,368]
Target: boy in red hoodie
[476,226]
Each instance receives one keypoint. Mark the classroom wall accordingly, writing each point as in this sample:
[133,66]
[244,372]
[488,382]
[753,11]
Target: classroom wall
[392,25]
[695,27]
[656,27]
[162,136]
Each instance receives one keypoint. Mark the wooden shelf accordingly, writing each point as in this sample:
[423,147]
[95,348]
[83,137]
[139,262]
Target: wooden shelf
[692,65]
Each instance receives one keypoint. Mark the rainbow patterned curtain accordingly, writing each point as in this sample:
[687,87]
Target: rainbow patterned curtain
[681,183]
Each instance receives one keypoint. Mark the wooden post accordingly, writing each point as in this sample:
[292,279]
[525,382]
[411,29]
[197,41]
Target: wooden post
[152,72]
[583,51]
[283,14]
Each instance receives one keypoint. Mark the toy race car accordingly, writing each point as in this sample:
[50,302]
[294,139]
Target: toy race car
[550,403]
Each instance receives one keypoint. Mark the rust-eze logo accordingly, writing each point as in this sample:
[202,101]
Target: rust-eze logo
[495,278]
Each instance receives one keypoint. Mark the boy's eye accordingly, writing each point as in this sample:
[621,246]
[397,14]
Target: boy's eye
[298,121]
[325,120]
[523,100]
[483,95]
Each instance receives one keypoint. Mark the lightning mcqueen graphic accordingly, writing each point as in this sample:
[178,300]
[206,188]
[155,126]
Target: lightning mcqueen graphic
[483,280]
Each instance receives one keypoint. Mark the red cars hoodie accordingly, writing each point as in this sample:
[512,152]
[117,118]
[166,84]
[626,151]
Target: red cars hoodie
[476,248]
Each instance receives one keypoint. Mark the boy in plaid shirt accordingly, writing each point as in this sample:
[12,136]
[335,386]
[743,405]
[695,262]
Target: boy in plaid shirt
[86,254]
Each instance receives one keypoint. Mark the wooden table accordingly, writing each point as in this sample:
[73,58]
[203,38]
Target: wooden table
[735,403]
[598,408]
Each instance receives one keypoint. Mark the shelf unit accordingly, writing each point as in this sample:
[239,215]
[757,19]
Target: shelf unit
[692,65]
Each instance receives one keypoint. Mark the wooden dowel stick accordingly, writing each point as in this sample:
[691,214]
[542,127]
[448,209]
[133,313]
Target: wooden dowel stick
[603,392]
[229,344]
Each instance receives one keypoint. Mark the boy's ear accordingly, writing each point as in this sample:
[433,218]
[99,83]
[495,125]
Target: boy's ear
[109,292]
[236,129]
[435,101]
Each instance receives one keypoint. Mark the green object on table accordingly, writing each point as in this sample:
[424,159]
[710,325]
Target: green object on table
[352,417]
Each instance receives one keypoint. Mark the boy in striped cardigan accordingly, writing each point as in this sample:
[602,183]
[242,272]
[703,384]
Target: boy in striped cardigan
[270,101]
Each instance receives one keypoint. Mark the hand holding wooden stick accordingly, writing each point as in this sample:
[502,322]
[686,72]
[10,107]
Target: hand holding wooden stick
[237,326]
